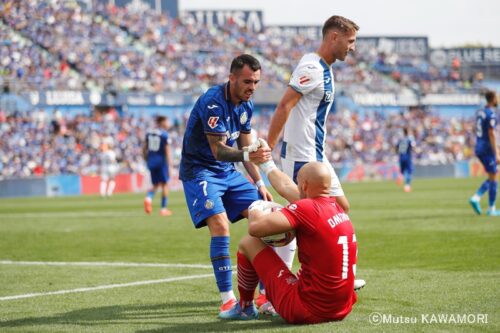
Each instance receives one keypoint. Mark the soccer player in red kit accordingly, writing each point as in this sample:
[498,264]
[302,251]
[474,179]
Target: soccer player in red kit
[323,290]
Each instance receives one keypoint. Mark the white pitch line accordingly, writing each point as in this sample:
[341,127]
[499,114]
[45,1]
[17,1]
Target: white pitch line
[100,263]
[109,286]
[61,215]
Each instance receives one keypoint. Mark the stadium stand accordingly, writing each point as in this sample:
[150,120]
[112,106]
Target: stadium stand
[39,143]
[63,45]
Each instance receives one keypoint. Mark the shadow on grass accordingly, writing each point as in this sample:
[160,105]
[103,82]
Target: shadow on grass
[171,317]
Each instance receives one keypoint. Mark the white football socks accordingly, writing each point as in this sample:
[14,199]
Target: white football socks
[226,296]
[287,253]
[103,188]
[111,187]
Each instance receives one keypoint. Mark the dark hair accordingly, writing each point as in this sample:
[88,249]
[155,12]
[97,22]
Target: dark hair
[160,119]
[490,96]
[245,59]
[339,23]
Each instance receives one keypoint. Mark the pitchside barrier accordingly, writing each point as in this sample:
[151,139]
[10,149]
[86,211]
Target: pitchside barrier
[63,185]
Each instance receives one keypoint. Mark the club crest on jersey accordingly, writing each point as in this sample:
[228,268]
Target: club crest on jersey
[209,204]
[244,118]
[304,79]
[292,207]
[212,122]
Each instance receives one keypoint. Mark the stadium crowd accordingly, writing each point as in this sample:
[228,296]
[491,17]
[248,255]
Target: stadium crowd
[64,45]
[39,143]
[110,48]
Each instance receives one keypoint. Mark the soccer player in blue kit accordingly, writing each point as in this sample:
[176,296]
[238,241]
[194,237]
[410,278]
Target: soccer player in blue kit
[215,192]
[487,152]
[404,148]
[157,154]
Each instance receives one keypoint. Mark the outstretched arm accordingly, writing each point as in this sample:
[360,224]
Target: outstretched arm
[278,179]
[245,140]
[288,101]
[283,185]
[223,152]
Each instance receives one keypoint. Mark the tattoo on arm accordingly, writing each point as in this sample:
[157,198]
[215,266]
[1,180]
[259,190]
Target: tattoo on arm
[223,152]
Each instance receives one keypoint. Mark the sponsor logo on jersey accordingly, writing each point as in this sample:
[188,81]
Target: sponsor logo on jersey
[243,118]
[304,79]
[212,122]
[209,204]
[292,207]
[213,106]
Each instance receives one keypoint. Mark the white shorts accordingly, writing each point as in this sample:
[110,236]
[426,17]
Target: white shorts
[291,168]
[108,172]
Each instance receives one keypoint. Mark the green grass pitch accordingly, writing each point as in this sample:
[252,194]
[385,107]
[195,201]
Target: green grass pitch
[421,253]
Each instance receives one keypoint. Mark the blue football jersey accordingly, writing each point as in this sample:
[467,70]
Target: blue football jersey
[213,114]
[404,148]
[156,141]
[485,119]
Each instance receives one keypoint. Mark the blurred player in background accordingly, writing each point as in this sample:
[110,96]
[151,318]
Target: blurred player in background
[215,192]
[303,110]
[109,168]
[404,150]
[324,288]
[487,152]
[158,156]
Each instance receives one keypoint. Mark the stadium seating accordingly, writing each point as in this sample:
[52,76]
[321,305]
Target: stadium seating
[116,49]
[39,143]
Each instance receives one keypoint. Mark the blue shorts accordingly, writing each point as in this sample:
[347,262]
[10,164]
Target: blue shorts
[159,175]
[228,192]
[489,162]
[405,166]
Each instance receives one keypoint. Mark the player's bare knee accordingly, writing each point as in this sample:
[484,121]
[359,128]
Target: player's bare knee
[244,244]
[218,225]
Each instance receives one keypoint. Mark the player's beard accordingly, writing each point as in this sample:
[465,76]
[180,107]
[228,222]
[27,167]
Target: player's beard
[245,95]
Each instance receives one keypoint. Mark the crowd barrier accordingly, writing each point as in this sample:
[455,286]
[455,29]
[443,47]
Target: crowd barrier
[63,185]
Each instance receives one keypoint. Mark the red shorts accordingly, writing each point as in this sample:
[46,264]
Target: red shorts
[282,288]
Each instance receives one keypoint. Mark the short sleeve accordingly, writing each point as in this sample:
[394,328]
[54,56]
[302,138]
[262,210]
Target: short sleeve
[168,140]
[212,118]
[492,123]
[164,137]
[305,78]
[246,118]
[299,214]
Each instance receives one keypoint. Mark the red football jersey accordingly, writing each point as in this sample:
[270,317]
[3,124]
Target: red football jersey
[327,254]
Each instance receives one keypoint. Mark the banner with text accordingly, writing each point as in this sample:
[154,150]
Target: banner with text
[249,19]
[466,56]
